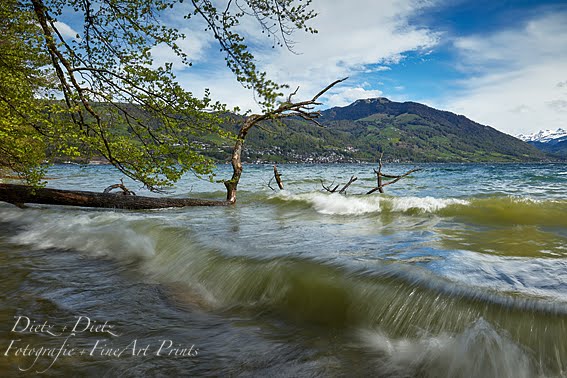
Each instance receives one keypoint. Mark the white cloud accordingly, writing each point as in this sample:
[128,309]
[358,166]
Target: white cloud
[65,30]
[518,76]
[352,36]
[355,37]
[344,96]
[195,45]
[558,105]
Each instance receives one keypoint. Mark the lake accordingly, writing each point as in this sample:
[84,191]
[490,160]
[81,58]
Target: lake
[458,270]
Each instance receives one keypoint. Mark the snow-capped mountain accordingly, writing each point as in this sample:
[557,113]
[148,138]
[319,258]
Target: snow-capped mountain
[551,142]
[545,136]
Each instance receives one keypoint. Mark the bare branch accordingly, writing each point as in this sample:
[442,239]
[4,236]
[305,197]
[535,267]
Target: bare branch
[379,175]
[352,179]
[270,184]
[402,176]
[125,190]
[328,189]
[292,94]
[327,88]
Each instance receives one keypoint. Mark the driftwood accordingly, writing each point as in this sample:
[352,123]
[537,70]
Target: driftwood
[328,188]
[21,194]
[278,177]
[352,179]
[332,189]
[125,190]
[379,175]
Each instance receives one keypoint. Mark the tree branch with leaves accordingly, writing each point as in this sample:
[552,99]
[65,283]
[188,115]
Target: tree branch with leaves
[289,108]
[107,98]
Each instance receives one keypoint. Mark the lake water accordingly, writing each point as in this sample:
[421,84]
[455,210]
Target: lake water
[457,271]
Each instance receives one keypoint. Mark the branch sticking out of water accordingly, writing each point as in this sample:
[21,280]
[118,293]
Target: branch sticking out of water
[379,175]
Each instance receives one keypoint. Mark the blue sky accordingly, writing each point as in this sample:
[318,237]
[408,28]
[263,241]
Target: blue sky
[500,63]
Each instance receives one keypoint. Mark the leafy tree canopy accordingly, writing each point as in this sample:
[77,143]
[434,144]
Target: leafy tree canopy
[101,93]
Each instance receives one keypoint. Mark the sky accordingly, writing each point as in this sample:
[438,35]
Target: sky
[501,63]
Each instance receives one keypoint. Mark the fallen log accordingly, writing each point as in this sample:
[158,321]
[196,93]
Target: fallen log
[22,194]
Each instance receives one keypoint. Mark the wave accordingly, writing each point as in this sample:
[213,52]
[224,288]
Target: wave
[508,210]
[494,210]
[171,252]
[480,350]
[337,204]
[399,300]
[98,234]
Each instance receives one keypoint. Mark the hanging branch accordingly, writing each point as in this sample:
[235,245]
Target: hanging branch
[380,175]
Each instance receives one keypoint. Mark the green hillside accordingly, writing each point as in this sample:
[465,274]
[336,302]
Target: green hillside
[403,131]
[558,149]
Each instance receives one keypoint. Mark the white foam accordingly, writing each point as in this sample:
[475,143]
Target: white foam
[424,204]
[337,204]
[333,203]
[97,234]
[479,351]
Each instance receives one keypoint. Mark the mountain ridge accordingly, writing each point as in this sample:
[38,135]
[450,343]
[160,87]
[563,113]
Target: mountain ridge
[412,131]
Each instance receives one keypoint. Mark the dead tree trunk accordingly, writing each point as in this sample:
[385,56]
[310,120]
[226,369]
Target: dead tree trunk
[352,179]
[302,109]
[379,175]
[278,177]
[21,194]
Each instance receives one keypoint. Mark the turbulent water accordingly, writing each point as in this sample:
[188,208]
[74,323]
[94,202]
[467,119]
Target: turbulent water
[457,271]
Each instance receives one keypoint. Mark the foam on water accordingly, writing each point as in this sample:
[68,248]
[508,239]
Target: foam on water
[337,204]
[424,204]
[478,351]
[99,234]
[535,277]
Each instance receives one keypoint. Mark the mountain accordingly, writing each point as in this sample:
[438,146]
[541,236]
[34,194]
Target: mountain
[405,131]
[545,136]
[551,142]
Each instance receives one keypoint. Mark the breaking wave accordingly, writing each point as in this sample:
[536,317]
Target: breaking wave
[336,204]
[401,301]
[501,210]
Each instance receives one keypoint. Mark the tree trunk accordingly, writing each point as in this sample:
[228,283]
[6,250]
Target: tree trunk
[236,161]
[21,194]
[302,109]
